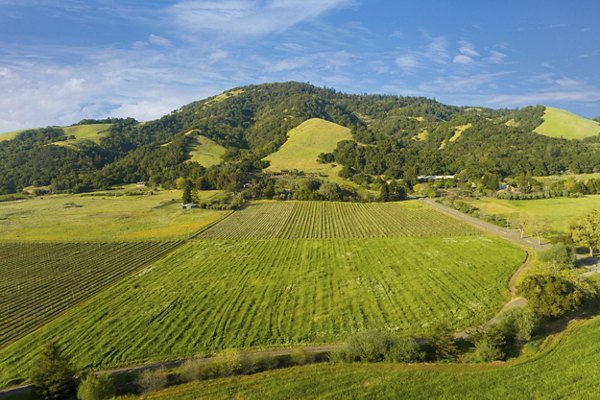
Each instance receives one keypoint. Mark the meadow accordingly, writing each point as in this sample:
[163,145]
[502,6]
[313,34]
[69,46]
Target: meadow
[43,280]
[568,367]
[559,211]
[561,123]
[213,293]
[108,216]
[303,146]
[207,152]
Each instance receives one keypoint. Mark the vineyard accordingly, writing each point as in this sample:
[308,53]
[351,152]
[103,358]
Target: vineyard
[214,294]
[42,280]
[325,220]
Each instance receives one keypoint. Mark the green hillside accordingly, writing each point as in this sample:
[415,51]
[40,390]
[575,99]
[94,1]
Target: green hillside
[207,152]
[9,135]
[82,133]
[305,143]
[560,123]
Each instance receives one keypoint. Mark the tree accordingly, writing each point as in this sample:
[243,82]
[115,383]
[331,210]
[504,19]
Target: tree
[552,295]
[442,344]
[384,195]
[585,231]
[187,192]
[270,189]
[523,224]
[52,375]
[96,387]
[539,227]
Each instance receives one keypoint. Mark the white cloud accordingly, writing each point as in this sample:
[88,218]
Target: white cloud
[467,49]
[496,57]
[462,59]
[407,62]
[437,50]
[457,84]
[159,41]
[567,82]
[545,97]
[240,18]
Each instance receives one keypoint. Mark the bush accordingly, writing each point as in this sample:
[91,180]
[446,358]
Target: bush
[519,324]
[442,344]
[300,357]
[371,346]
[152,380]
[559,256]
[489,344]
[405,349]
[52,374]
[96,387]
[230,362]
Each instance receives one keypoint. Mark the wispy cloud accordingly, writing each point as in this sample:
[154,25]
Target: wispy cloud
[462,59]
[242,18]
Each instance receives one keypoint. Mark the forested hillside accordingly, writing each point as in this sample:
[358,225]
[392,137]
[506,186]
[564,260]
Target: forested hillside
[394,137]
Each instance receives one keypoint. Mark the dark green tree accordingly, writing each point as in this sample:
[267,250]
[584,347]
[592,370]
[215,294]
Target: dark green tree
[187,192]
[552,295]
[384,195]
[52,374]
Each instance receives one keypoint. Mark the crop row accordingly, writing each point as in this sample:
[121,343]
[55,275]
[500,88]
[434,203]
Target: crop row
[42,280]
[327,220]
[214,294]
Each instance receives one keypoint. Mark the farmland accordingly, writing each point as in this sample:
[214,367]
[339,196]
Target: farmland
[561,123]
[109,216]
[567,368]
[314,286]
[42,280]
[322,220]
[559,211]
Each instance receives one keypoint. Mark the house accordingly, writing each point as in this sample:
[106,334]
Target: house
[188,206]
[429,178]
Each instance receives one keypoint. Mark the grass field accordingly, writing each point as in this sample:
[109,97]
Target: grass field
[547,180]
[42,280]
[304,145]
[84,218]
[10,135]
[561,123]
[568,368]
[207,152]
[559,211]
[322,220]
[216,293]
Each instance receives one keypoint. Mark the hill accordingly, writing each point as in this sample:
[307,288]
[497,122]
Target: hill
[305,143]
[9,135]
[405,137]
[561,123]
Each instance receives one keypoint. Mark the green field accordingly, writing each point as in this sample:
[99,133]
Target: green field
[212,294]
[207,152]
[91,132]
[42,280]
[568,368]
[85,218]
[304,145]
[558,211]
[548,180]
[561,123]
[322,220]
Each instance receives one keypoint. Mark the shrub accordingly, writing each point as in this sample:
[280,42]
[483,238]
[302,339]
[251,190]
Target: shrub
[96,387]
[230,362]
[371,346]
[442,344]
[52,374]
[519,324]
[559,256]
[405,349]
[489,344]
[152,379]
[300,357]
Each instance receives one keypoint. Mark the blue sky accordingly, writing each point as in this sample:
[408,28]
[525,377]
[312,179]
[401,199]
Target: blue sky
[64,60]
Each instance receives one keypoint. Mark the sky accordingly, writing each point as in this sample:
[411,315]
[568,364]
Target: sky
[65,60]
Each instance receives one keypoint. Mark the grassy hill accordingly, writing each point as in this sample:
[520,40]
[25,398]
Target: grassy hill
[560,123]
[91,132]
[305,143]
[9,135]
[335,277]
[568,368]
[207,152]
